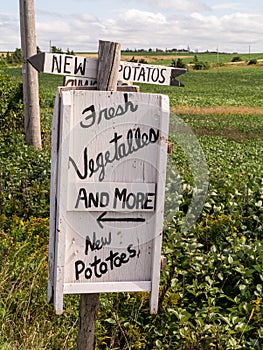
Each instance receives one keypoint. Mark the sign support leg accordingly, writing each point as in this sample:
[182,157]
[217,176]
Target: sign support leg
[89,305]
[108,65]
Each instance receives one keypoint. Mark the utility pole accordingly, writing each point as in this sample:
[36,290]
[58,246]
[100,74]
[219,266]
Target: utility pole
[30,75]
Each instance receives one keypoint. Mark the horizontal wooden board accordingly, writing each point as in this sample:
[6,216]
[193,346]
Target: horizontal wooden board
[113,196]
[81,66]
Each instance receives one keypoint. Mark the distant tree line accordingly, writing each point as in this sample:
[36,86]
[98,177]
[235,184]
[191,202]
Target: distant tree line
[15,58]
[157,50]
[174,50]
[55,49]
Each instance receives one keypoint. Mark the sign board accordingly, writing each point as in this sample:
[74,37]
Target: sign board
[79,81]
[81,66]
[107,192]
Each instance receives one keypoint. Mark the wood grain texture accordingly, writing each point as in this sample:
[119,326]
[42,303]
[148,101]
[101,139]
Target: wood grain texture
[107,78]
[108,65]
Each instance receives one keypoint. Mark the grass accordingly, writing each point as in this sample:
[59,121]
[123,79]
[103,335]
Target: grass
[211,290]
[238,87]
[165,58]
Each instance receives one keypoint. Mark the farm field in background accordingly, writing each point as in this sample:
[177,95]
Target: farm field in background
[211,294]
[165,58]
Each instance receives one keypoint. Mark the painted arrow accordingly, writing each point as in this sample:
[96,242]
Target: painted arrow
[86,67]
[102,218]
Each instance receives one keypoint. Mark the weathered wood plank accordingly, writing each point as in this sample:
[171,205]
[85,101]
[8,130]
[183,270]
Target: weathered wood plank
[81,66]
[107,77]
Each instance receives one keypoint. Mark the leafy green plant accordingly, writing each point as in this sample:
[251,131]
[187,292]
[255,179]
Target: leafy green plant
[178,63]
[252,61]
[11,105]
[211,293]
[236,59]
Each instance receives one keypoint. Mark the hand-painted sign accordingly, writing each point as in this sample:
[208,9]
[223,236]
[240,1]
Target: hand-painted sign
[79,81]
[108,180]
[85,67]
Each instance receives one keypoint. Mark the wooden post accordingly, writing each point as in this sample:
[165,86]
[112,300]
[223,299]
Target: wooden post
[30,75]
[107,78]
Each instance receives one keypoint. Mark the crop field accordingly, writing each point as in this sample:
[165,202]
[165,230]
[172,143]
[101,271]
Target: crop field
[165,58]
[211,291]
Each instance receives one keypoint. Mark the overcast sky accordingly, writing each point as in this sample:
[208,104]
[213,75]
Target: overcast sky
[226,25]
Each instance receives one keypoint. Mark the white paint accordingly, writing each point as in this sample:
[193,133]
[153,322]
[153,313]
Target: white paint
[108,142]
[145,73]
[62,64]
[112,196]
[85,70]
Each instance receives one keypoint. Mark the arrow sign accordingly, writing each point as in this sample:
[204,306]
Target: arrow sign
[86,67]
[62,64]
[102,218]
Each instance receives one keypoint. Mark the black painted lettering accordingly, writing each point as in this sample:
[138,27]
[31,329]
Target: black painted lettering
[149,73]
[149,202]
[117,262]
[88,273]
[111,112]
[103,268]
[106,113]
[120,68]
[135,141]
[98,267]
[71,82]
[135,72]
[155,75]
[153,135]
[130,201]
[56,64]
[121,196]
[127,73]
[131,251]
[90,118]
[95,265]
[162,76]
[67,62]
[80,66]
[100,165]
[104,199]
[82,196]
[129,104]
[94,200]
[92,166]
[105,241]
[103,112]
[111,258]
[141,75]
[85,159]
[96,244]
[79,268]
[124,258]
[140,200]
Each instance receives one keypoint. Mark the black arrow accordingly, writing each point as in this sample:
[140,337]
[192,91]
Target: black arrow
[37,61]
[176,72]
[102,218]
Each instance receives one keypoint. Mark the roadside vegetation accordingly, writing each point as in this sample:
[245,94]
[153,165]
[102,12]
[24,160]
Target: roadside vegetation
[211,292]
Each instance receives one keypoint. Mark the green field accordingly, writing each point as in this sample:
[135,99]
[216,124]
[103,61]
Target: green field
[211,294]
[214,59]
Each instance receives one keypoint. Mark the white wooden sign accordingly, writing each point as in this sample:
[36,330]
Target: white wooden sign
[79,81]
[107,197]
[81,66]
